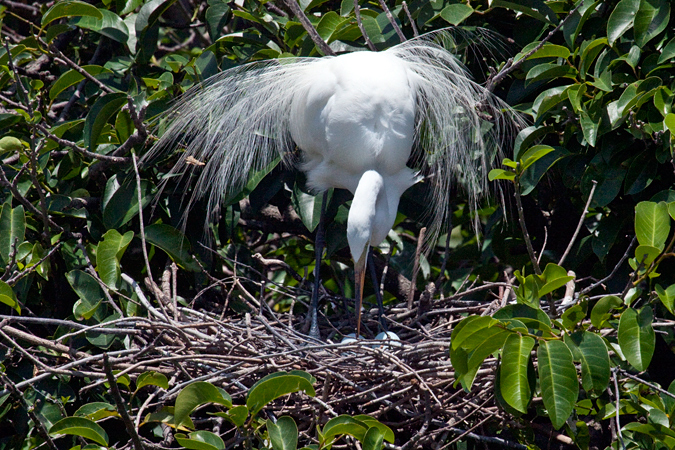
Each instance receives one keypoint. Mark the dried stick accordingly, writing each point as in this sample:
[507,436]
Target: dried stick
[523,227]
[616,408]
[359,22]
[412,22]
[579,225]
[416,266]
[121,406]
[390,16]
[307,25]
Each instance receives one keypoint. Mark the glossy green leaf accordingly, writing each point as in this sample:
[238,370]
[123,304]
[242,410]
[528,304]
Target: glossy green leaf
[652,223]
[110,25]
[650,20]
[590,350]
[573,316]
[343,425]
[373,440]
[308,207]
[173,242]
[536,9]
[589,53]
[96,411]
[533,154]
[554,277]
[12,230]
[550,51]
[660,432]
[590,127]
[514,383]
[8,297]
[72,77]
[237,415]
[468,328]
[667,297]
[284,434]
[275,386]
[372,422]
[80,426]
[197,394]
[621,19]
[521,311]
[501,174]
[108,255]
[200,440]
[152,378]
[69,8]
[120,203]
[601,311]
[87,288]
[99,114]
[547,100]
[645,255]
[557,380]
[636,337]
[456,13]
[668,51]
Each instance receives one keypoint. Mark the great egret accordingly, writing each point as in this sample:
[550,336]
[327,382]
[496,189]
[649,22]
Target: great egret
[359,119]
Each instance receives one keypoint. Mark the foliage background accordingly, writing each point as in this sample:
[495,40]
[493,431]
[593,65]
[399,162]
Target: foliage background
[84,84]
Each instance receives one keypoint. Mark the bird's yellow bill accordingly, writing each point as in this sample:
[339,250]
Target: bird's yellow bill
[359,279]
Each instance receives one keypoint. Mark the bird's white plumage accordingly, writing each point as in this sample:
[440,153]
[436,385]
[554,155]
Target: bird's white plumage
[354,114]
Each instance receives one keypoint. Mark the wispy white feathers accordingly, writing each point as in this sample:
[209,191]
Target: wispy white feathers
[240,120]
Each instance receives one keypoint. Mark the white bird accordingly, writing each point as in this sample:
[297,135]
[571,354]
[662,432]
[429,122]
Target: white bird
[359,119]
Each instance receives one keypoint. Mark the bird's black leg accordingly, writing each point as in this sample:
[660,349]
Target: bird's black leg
[378,294]
[318,253]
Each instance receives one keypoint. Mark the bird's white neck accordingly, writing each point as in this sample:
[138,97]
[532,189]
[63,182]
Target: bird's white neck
[374,208]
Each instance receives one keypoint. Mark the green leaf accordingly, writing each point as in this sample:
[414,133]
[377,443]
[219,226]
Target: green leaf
[72,77]
[554,277]
[533,154]
[456,13]
[551,51]
[536,9]
[669,122]
[87,288]
[621,19]
[590,350]
[109,25]
[372,422]
[197,394]
[108,255]
[99,114]
[96,411]
[668,52]
[8,297]
[200,440]
[652,224]
[10,144]
[12,230]
[308,207]
[636,337]
[501,174]
[275,386]
[237,415]
[80,426]
[373,440]
[69,8]
[600,312]
[667,297]
[547,100]
[589,127]
[173,242]
[284,434]
[469,327]
[514,383]
[651,19]
[589,53]
[342,425]
[152,378]
[558,380]
[522,311]
[645,254]
[329,23]
[574,315]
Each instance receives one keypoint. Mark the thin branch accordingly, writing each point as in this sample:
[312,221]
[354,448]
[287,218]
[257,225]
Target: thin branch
[307,25]
[523,227]
[391,19]
[359,22]
[121,405]
[618,404]
[412,22]
[510,66]
[416,267]
[614,271]
[579,225]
